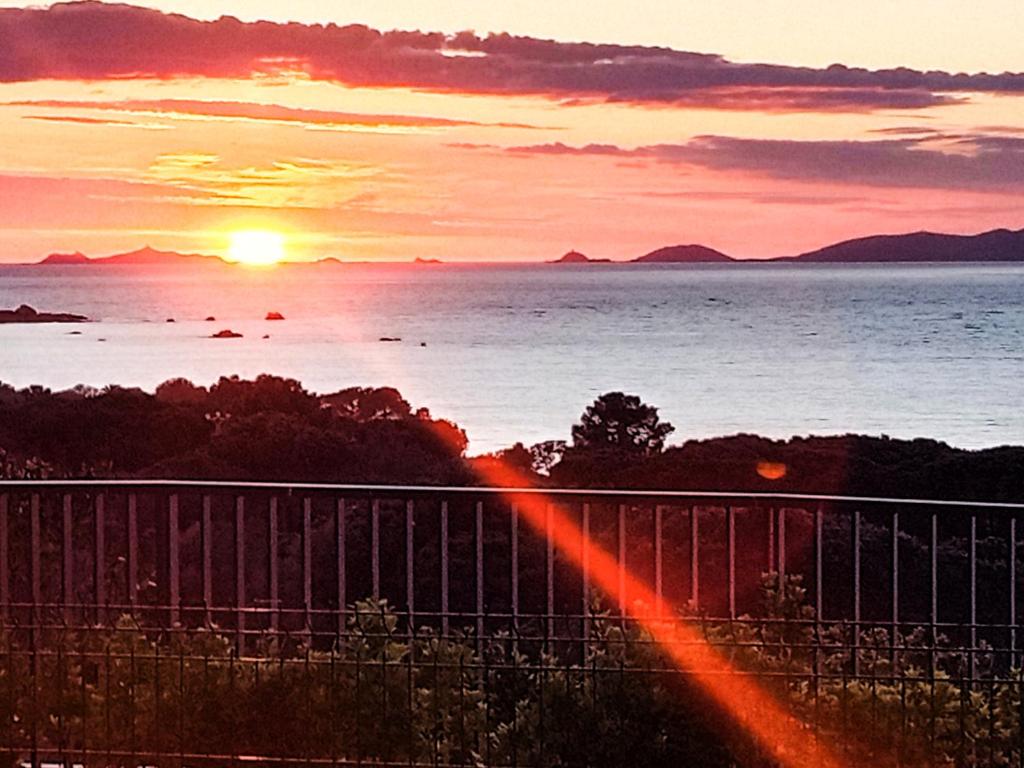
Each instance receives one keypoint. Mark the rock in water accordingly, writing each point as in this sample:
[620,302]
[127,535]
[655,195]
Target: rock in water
[26,314]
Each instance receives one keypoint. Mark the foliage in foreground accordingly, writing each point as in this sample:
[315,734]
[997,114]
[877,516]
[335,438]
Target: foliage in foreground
[379,695]
[382,694]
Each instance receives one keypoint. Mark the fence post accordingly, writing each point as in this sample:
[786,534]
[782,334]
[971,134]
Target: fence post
[274,564]
[173,562]
[67,558]
[240,573]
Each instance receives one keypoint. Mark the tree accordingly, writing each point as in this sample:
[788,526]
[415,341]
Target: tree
[368,403]
[545,455]
[181,392]
[621,422]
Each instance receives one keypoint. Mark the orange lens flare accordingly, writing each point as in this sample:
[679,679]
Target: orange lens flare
[785,737]
[789,740]
[771,470]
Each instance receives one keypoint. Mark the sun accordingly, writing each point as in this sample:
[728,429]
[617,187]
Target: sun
[256,247]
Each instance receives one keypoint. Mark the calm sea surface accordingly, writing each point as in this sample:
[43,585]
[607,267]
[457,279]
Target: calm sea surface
[516,353]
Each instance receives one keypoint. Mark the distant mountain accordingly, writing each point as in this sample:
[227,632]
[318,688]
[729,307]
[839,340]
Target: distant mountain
[997,245]
[575,257]
[66,258]
[143,256]
[683,254]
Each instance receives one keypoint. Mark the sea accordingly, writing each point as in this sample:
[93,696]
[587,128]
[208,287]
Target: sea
[516,352]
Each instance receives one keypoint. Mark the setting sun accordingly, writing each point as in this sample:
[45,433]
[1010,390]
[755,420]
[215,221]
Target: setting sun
[256,247]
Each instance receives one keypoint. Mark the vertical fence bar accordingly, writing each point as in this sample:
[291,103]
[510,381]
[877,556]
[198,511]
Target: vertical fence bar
[895,574]
[782,548]
[659,585]
[173,562]
[549,568]
[585,567]
[444,568]
[478,540]
[410,560]
[240,573]
[274,564]
[771,539]
[307,567]
[1012,567]
[730,525]
[856,592]
[68,559]
[375,547]
[340,554]
[100,563]
[819,598]
[207,544]
[973,559]
[933,611]
[622,558]
[35,567]
[694,557]
[5,561]
[514,570]
[133,552]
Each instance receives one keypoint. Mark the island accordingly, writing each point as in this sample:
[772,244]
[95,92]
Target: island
[683,254]
[145,256]
[26,314]
[995,245]
[575,257]
[998,245]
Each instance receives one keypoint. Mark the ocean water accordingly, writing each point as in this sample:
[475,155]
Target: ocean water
[516,352]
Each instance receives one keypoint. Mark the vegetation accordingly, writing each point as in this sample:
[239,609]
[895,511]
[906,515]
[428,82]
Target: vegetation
[271,428]
[621,423]
[383,693]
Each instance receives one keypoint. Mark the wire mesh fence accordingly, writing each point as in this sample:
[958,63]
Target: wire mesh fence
[212,624]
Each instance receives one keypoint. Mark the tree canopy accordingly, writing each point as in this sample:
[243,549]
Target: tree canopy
[621,422]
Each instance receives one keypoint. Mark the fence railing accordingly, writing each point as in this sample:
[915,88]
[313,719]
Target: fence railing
[177,622]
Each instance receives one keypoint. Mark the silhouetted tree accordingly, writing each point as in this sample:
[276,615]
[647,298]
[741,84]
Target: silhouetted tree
[368,403]
[180,392]
[239,397]
[545,455]
[621,422]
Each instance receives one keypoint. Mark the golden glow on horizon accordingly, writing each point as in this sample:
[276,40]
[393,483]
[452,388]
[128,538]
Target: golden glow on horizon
[256,247]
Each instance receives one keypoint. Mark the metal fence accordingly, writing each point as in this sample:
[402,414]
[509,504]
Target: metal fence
[182,623]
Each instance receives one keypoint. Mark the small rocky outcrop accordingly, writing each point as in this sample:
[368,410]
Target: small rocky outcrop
[227,333]
[26,314]
[274,316]
[575,257]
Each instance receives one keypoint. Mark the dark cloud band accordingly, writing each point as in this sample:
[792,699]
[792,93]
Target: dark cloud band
[980,161]
[95,41]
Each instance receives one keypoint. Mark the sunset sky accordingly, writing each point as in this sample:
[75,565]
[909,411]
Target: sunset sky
[758,128]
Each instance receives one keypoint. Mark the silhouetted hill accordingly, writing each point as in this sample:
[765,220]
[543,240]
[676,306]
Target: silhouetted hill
[683,254]
[575,257]
[145,256]
[66,258]
[997,245]
[858,465]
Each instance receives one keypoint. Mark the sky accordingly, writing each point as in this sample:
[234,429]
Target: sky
[505,131]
